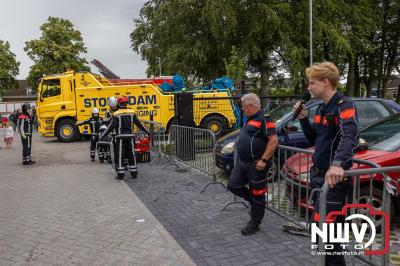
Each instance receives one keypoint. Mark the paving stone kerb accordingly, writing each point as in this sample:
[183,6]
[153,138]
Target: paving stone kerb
[66,210]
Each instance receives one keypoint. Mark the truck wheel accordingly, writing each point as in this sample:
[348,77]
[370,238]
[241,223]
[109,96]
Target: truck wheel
[66,131]
[215,124]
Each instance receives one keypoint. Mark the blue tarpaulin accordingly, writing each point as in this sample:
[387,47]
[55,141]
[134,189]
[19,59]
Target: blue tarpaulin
[220,84]
[177,84]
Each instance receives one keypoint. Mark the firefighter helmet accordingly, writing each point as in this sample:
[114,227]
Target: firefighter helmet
[112,102]
[122,99]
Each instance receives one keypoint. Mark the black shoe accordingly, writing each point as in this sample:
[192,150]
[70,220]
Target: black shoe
[120,176]
[92,159]
[109,161]
[101,161]
[250,228]
[134,175]
[30,162]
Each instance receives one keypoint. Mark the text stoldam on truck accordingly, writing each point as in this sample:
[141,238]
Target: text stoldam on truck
[66,98]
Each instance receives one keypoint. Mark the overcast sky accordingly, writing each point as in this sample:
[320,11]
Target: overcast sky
[105,27]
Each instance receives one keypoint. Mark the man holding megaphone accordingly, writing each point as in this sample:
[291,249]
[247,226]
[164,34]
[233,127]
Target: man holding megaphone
[334,132]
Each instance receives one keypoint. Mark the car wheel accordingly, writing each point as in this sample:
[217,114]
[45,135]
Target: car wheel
[375,200]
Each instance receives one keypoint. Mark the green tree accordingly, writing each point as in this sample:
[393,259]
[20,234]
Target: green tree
[341,29]
[253,27]
[387,42]
[195,37]
[58,49]
[9,68]
[235,66]
[178,32]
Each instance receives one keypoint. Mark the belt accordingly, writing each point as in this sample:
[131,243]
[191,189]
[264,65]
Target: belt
[103,143]
[125,136]
[323,172]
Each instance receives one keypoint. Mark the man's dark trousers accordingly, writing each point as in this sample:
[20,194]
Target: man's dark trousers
[125,150]
[245,173]
[26,148]
[335,202]
[93,144]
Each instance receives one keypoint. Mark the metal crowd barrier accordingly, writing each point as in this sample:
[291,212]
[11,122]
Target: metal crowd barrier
[194,147]
[289,192]
[158,141]
[386,193]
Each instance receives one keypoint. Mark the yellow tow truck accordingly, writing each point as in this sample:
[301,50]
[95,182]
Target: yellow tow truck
[66,98]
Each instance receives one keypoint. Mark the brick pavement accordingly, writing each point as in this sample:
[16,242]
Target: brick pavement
[209,236]
[65,210]
[68,211]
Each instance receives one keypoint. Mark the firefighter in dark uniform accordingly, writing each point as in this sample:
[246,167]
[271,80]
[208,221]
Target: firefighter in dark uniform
[113,104]
[94,122]
[335,134]
[103,144]
[255,147]
[25,128]
[122,122]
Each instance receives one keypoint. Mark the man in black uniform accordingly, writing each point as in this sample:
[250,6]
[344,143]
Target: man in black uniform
[95,123]
[25,128]
[103,144]
[335,135]
[255,147]
[122,122]
[113,104]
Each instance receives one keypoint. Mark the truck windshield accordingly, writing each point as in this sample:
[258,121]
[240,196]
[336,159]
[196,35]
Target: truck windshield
[50,88]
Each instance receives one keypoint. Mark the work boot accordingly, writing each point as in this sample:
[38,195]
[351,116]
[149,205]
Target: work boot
[134,175]
[251,228]
[120,176]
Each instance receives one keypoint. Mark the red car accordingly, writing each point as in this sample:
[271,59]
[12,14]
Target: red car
[382,146]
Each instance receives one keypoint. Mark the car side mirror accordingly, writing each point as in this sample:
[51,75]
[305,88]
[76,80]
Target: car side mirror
[41,95]
[291,128]
[362,145]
